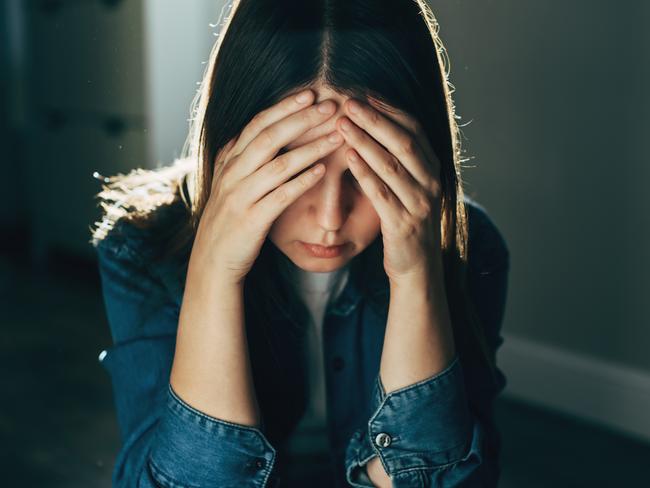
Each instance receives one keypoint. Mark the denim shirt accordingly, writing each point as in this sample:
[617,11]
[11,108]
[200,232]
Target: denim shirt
[437,432]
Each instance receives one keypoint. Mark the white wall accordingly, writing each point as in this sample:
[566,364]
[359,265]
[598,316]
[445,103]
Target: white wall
[178,38]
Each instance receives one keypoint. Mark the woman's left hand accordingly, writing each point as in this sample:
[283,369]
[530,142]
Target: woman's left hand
[399,172]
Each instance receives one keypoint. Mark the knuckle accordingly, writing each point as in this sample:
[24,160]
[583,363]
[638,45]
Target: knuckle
[382,191]
[403,226]
[312,117]
[305,118]
[305,180]
[408,146]
[308,115]
[392,165]
[408,225]
[279,165]
[322,146]
[265,139]
[281,195]
[410,229]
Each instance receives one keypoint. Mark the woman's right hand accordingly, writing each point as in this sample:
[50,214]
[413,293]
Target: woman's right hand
[251,185]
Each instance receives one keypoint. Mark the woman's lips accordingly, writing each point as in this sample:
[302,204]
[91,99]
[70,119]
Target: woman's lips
[322,251]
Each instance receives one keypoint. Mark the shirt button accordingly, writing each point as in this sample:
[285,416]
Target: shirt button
[338,363]
[383,440]
[260,463]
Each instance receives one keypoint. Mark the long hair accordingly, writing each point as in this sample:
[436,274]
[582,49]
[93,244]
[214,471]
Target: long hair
[389,50]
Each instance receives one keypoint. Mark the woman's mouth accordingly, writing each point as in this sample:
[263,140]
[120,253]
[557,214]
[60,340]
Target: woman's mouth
[319,251]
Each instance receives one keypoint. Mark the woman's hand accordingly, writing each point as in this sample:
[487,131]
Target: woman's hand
[399,172]
[251,190]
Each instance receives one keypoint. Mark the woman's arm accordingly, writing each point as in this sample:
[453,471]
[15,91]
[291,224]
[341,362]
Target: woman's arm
[418,344]
[167,442]
[433,439]
[211,369]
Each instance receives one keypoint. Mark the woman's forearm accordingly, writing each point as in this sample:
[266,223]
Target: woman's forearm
[211,370]
[418,343]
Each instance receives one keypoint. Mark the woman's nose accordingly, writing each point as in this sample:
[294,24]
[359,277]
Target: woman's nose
[333,203]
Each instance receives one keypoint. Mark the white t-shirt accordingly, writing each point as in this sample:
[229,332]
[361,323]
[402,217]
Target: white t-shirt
[316,289]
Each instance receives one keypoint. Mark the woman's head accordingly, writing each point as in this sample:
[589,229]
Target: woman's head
[334,211]
[387,51]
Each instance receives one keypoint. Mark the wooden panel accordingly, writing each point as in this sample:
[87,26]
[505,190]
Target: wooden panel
[87,55]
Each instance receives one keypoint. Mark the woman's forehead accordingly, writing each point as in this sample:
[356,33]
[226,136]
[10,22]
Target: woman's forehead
[323,93]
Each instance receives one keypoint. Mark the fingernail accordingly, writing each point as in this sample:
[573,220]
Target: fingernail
[303,97]
[353,107]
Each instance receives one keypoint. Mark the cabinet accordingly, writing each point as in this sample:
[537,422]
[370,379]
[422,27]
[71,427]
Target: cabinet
[109,88]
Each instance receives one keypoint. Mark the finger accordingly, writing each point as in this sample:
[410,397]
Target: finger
[394,137]
[269,141]
[271,115]
[285,167]
[387,205]
[272,205]
[387,167]
[414,127]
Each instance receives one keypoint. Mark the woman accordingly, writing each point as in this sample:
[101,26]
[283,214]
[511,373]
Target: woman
[208,268]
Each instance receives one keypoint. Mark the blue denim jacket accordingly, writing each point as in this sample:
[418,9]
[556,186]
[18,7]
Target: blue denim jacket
[437,432]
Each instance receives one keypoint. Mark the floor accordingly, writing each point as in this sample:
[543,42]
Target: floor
[58,428]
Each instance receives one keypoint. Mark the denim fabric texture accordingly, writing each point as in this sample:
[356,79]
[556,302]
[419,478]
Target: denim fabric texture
[438,432]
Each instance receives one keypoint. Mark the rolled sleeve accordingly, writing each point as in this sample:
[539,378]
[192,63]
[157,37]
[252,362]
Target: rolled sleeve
[226,454]
[424,434]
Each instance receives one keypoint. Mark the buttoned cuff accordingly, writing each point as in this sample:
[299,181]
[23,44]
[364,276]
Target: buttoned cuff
[225,454]
[424,425]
